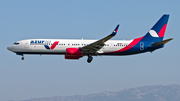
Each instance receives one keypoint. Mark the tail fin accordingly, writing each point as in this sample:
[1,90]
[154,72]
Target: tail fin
[157,32]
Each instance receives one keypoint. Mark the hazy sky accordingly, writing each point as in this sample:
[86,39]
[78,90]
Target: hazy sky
[45,76]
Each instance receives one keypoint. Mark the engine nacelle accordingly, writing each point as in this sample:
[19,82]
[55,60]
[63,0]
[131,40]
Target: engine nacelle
[73,53]
[71,57]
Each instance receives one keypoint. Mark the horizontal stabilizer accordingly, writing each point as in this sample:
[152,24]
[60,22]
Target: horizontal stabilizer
[162,42]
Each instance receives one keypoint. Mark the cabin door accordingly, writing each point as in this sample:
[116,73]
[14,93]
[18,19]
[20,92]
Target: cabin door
[141,45]
[26,45]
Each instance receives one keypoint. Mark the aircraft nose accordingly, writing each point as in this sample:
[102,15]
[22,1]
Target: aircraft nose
[9,48]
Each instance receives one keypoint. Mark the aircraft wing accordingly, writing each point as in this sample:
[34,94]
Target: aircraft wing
[97,45]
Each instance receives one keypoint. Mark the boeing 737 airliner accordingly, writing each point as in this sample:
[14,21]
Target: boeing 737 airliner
[75,49]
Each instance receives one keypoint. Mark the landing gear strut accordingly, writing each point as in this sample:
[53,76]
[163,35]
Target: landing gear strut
[90,58]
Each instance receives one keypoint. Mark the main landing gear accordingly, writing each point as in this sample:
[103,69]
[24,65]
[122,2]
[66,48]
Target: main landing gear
[90,58]
[22,58]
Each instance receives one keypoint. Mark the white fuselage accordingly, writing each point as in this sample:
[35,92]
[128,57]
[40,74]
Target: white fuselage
[37,46]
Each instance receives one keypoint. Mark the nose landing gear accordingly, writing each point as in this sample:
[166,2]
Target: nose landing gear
[90,58]
[22,58]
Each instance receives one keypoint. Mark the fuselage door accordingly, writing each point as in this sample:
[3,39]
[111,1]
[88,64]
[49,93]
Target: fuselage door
[141,45]
[26,45]
[111,45]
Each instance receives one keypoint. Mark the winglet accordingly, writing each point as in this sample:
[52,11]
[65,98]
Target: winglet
[115,31]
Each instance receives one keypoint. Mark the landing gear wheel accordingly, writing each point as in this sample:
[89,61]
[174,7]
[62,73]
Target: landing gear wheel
[90,58]
[22,58]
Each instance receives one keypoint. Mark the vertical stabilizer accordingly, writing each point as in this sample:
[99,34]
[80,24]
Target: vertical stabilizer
[156,33]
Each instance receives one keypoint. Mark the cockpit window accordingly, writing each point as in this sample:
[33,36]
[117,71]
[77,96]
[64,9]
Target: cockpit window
[16,43]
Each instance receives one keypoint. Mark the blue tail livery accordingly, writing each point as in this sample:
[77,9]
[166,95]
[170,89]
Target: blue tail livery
[156,33]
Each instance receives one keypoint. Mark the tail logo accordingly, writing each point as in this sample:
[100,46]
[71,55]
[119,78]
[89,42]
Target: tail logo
[153,33]
[52,46]
[116,30]
[161,33]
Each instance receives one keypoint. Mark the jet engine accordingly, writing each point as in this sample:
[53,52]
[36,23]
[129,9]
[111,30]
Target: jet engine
[73,53]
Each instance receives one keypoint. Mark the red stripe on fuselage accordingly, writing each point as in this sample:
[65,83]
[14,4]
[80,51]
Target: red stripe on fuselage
[162,31]
[54,44]
[131,45]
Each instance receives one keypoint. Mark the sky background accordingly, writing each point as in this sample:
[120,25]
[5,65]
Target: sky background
[46,76]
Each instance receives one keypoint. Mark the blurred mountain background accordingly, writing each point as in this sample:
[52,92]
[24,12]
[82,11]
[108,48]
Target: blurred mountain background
[145,93]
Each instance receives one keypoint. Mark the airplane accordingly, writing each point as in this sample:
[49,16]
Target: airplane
[77,48]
